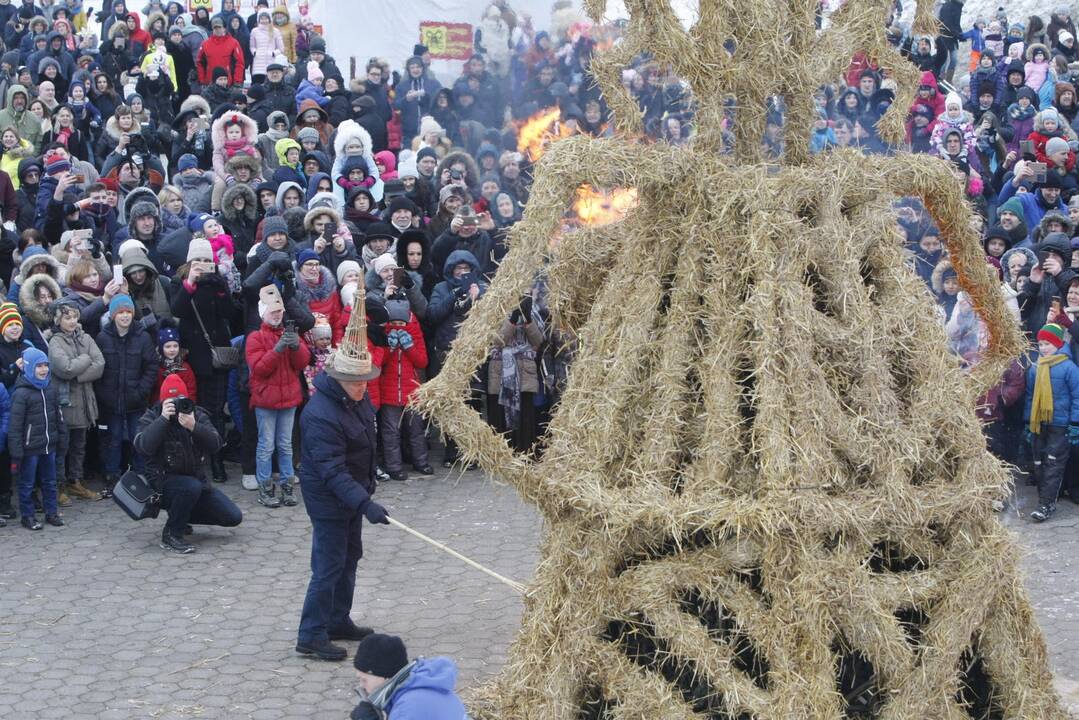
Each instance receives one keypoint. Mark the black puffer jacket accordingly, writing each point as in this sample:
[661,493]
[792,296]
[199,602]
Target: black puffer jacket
[171,449]
[36,426]
[130,369]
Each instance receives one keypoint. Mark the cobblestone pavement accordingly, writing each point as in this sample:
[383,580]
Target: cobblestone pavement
[97,622]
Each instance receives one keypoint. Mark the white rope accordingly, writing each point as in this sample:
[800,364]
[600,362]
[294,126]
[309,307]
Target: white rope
[519,587]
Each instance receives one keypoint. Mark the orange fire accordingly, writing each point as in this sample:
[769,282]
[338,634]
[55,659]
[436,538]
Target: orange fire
[603,207]
[539,131]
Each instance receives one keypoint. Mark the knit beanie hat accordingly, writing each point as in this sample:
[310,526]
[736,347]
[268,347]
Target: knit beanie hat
[407,169]
[9,314]
[1056,145]
[426,152]
[197,220]
[167,334]
[187,161]
[55,163]
[1051,114]
[220,72]
[953,99]
[307,133]
[199,248]
[381,655]
[314,72]
[1053,334]
[344,268]
[321,329]
[274,225]
[383,262]
[121,303]
[131,244]
[306,255]
[172,387]
[1013,206]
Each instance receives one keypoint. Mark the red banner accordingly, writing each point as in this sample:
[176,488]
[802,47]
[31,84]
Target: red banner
[447,41]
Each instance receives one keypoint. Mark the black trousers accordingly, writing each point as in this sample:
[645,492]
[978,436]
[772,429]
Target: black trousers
[213,389]
[1051,450]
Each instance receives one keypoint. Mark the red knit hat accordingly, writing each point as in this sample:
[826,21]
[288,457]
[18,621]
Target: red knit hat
[172,388]
[1052,334]
[110,184]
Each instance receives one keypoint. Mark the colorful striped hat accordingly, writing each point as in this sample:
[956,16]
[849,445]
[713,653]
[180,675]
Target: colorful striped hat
[9,313]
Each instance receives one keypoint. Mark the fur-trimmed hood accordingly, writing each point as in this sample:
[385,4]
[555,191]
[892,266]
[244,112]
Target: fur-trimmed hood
[472,170]
[238,190]
[327,285]
[1038,46]
[37,312]
[27,263]
[238,161]
[939,271]
[196,103]
[249,126]
[119,28]
[309,218]
[346,132]
[1032,260]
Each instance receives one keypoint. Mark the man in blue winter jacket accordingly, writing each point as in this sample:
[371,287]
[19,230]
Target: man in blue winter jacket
[396,689]
[337,479]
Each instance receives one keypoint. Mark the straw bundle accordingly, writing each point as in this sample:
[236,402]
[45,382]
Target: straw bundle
[766,493]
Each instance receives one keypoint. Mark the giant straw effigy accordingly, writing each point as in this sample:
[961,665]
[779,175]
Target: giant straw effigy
[765,490]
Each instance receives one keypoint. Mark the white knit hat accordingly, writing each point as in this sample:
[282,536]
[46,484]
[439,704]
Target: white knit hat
[384,261]
[200,249]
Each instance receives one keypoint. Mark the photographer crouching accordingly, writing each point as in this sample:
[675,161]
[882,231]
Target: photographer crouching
[175,436]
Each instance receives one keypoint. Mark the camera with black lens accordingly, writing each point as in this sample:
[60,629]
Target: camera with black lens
[184,405]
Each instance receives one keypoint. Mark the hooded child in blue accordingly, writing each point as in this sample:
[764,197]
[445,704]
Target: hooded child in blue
[36,437]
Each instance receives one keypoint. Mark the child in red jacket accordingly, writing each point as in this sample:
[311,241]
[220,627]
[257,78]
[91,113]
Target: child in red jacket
[171,360]
[275,356]
[405,355]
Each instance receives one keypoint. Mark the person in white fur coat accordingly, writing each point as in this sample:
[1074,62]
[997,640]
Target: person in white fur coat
[352,139]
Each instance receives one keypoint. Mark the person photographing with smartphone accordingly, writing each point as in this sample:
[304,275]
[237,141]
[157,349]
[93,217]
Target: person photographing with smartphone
[175,437]
[1049,278]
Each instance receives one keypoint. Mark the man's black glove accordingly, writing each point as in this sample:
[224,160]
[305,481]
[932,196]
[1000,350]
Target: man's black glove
[279,261]
[95,248]
[377,335]
[375,513]
[407,282]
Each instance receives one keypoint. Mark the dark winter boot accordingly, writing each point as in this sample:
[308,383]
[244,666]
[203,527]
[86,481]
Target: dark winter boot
[217,466]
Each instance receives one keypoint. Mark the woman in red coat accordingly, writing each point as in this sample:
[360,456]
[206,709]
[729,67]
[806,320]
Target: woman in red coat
[275,356]
[316,288]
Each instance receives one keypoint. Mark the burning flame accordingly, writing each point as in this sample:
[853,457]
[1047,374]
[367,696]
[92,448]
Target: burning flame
[603,207]
[539,131]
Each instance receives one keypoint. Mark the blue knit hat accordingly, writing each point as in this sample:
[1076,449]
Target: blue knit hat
[120,302]
[197,220]
[306,255]
[167,334]
[187,161]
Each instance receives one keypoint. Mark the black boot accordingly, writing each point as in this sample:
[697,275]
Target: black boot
[322,649]
[217,466]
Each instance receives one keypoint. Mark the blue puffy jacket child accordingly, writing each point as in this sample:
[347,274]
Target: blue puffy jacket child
[1052,415]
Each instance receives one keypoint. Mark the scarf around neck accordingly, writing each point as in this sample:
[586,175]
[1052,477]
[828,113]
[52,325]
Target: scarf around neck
[1041,407]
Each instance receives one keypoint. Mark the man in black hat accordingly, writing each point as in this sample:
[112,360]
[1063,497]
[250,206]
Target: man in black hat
[280,95]
[337,479]
[396,689]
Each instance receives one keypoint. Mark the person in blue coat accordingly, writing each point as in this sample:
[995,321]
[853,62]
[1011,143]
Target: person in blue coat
[1052,416]
[396,689]
[337,479]
[1043,198]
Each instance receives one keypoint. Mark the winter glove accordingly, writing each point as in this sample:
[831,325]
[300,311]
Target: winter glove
[407,282]
[1028,436]
[377,335]
[391,339]
[291,339]
[149,320]
[404,339]
[375,513]
[279,261]
[14,467]
[365,711]
[1073,434]
[282,344]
